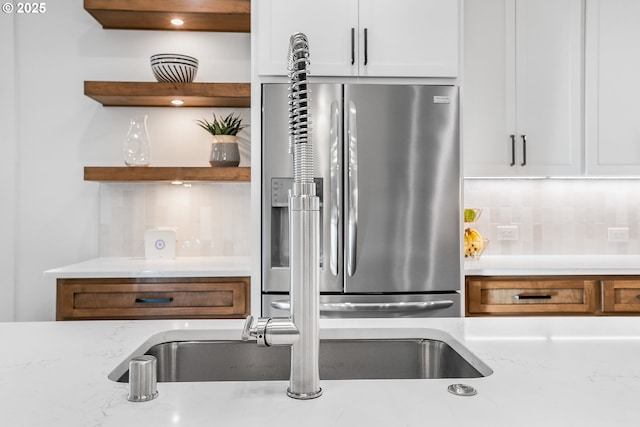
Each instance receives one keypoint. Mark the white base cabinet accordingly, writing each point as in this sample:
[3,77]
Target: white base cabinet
[377,38]
[522,81]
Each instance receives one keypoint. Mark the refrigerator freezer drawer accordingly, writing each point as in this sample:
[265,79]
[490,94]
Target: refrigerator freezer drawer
[358,306]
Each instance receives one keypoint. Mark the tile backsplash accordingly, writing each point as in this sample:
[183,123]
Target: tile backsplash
[210,219]
[553,216]
[557,216]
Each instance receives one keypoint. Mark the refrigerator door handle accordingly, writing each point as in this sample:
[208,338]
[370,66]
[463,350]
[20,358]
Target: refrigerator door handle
[352,174]
[398,307]
[335,184]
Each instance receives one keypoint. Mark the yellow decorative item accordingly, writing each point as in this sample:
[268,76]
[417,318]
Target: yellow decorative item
[474,244]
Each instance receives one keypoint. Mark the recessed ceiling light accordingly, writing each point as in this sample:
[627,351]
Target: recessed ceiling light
[177,102]
[177,22]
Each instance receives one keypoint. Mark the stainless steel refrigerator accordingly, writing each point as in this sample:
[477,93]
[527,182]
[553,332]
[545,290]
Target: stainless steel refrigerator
[387,168]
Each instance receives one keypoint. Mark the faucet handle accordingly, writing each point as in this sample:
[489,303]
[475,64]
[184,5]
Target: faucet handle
[249,330]
[258,331]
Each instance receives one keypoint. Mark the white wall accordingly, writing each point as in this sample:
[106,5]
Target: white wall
[58,131]
[8,157]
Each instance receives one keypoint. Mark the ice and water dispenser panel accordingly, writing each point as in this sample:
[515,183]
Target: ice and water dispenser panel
[280,220]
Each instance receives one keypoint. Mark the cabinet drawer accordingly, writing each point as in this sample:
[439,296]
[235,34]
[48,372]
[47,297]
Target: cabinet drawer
[620,296]
[152,298]
[512,296]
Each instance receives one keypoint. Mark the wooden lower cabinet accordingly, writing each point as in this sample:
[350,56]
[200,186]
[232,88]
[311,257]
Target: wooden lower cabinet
[621,296]
[552,295]
[153,298]
[530,296]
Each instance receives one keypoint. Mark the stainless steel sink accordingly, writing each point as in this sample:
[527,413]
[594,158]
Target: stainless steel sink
[340,359]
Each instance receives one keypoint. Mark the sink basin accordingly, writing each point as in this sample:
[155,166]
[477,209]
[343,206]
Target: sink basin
[340,359]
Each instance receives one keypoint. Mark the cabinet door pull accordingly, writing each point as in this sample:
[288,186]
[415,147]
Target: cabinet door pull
[638,296]
[524,150]
[353,45]
[154,300]
[366,46]
[531,296]
[513,150]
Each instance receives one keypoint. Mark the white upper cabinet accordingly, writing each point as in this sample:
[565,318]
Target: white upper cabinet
[381,38]
[522,88]
[413,38]
[328,25]
[613,87]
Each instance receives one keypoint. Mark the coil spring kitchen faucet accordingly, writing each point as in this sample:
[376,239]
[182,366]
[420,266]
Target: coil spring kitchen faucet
[301,329]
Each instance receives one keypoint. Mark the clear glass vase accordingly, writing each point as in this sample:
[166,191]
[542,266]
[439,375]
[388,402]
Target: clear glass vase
[136,149]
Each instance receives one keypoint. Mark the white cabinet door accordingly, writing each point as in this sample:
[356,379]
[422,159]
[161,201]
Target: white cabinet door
[328,25]
[403,38]
[522,88]
[613,87]
[409,38]
[488,88]
[549,86]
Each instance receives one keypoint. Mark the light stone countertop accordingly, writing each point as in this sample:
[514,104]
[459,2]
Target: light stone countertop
[106,267]
[488,265]
[546,372]
[531,265]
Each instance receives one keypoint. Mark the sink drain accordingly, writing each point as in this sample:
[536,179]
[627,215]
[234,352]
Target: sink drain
[462,390]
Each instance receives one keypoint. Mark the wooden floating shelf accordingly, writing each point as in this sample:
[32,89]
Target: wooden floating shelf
[154,174]
[198,15]
[155,94]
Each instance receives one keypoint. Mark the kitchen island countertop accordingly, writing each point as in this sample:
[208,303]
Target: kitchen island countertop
[546,372]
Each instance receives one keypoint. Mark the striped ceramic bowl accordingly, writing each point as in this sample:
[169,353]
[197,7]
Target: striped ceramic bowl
[170,67]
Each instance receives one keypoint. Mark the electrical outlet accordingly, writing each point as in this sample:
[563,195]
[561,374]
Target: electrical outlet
[507,232]
[618,234]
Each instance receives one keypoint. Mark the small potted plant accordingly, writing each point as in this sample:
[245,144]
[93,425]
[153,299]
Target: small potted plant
[224,147]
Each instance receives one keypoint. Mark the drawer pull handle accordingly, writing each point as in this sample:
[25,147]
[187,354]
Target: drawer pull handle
[154,300]
[531,296]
